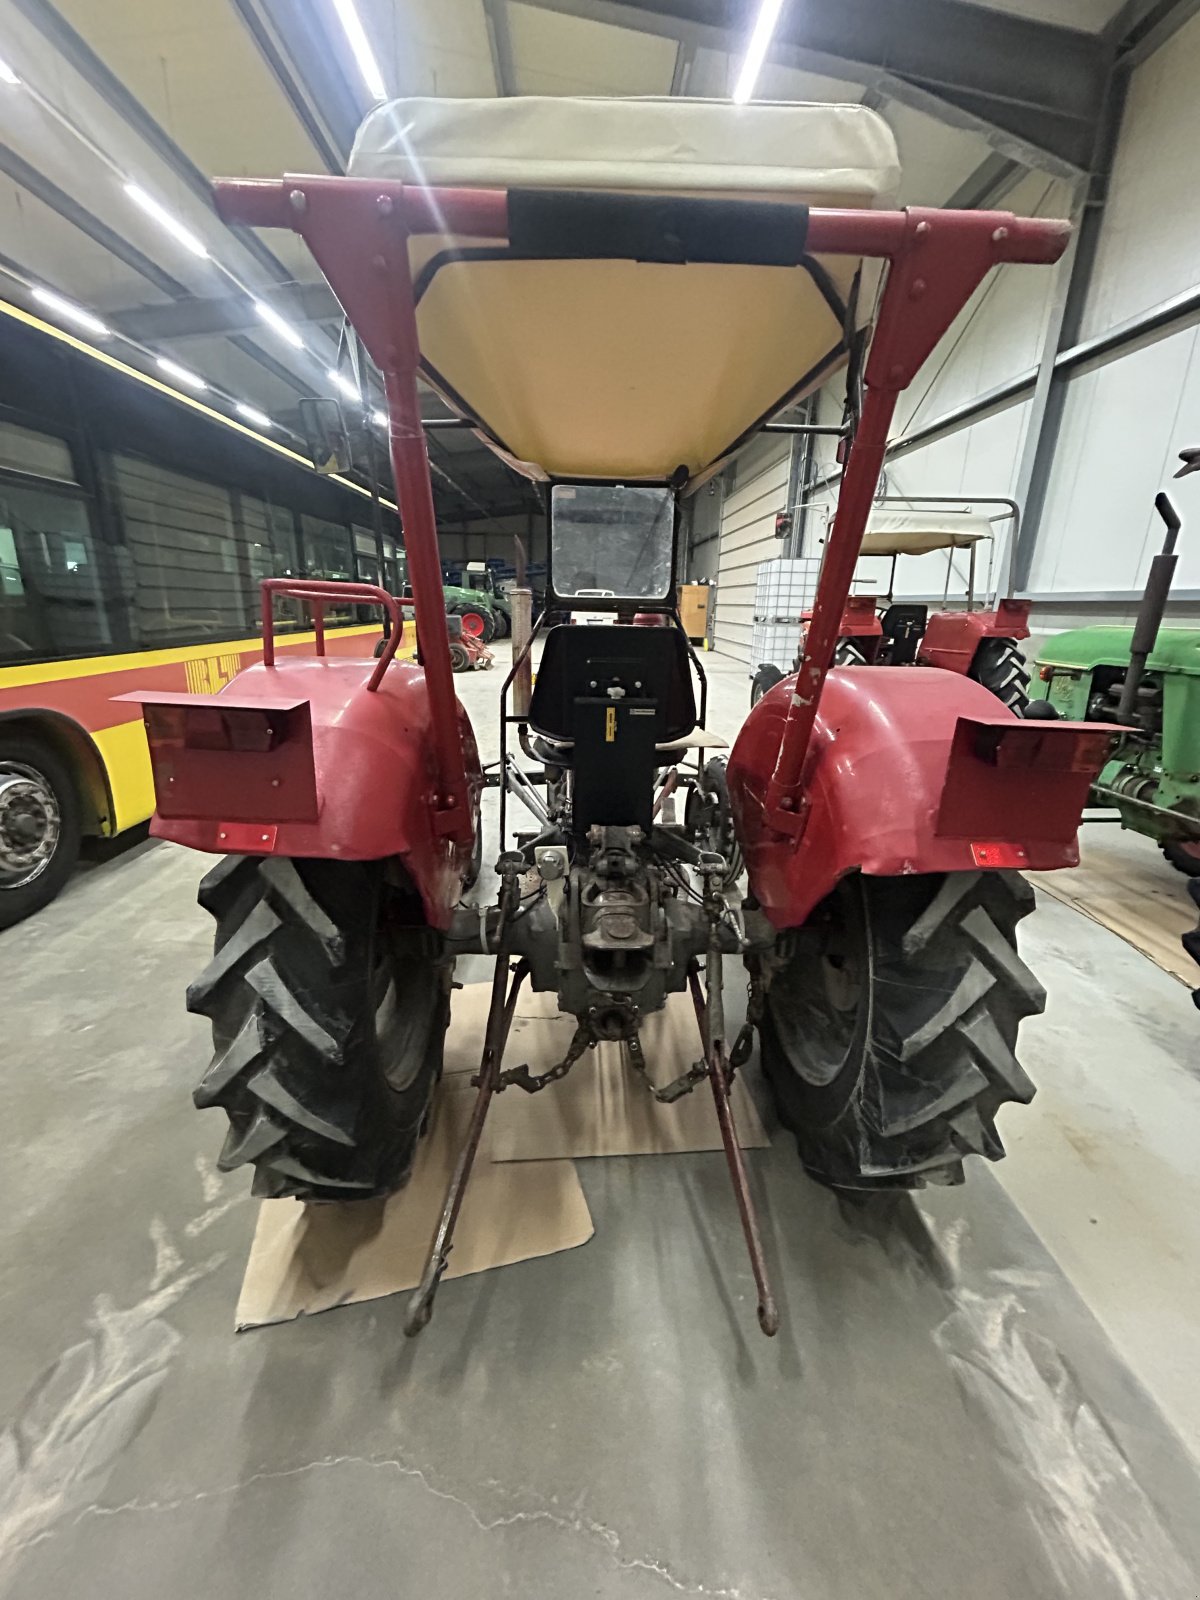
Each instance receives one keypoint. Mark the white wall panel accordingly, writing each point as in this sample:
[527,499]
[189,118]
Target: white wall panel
[1150,242]
[1123,424]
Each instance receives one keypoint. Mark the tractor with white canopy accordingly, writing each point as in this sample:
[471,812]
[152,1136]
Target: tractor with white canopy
[615,295]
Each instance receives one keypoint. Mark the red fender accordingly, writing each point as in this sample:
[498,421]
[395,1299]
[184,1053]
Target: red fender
[299,759]
[911,769]
[951,638]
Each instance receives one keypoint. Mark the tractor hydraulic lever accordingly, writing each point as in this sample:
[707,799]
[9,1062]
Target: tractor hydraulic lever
[710,1016]
[487,1081]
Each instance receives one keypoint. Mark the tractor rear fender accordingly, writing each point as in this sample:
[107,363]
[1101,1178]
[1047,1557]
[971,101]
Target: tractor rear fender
[300,759]
[951,638]
[910,770]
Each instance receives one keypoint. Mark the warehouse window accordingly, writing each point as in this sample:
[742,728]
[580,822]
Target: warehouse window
[51,589]
[193,566]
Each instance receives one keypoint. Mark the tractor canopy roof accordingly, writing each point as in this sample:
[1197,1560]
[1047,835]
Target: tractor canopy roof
[1081,649]
[577,366]
[915,533]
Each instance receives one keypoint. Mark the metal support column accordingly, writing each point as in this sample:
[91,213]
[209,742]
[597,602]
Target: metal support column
[1050,391]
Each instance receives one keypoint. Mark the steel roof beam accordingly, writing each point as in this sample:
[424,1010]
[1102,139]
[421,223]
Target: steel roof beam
[75,50]
[71,210]
[307,112]
[495,15]
[200,316]
[1035,89]
[988,184]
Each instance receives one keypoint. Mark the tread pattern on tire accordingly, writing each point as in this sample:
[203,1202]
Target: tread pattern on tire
[766,677]
[847,654]
[1181,859]
[936,1059]
[1191,939]
[715,783]
[1000,668]
[302,1065]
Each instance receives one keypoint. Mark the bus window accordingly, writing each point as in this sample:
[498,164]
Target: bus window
[51,595]
[193,578]
[327,554]
[39,455]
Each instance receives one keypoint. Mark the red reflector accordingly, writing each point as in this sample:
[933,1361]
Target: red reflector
[996,853]
[1045,674]
[246,838]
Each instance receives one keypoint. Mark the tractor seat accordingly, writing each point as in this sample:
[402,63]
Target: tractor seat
[580,662]
[903,627]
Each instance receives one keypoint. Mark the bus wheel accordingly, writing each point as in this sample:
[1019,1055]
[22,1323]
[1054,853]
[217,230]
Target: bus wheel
[39,826]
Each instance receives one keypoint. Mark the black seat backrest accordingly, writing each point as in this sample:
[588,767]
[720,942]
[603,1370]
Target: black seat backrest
[588,660]
[903,626]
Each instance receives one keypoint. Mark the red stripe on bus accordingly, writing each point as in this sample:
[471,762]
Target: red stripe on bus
[88,699]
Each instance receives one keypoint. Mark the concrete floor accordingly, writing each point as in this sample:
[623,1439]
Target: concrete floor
[983,1391]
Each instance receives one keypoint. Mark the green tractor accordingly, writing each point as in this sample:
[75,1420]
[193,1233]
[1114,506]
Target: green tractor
[1148,681]
[472,595]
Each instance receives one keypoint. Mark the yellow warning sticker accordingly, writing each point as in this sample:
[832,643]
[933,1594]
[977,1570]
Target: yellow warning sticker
[610,725]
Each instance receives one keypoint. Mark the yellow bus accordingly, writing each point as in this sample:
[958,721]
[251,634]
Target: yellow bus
[134,530]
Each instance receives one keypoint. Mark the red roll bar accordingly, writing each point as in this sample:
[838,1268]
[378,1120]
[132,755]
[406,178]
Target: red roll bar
[317,593]
[358,229]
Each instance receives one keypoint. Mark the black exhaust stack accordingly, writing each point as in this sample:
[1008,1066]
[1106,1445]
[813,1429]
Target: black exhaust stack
[1150,612]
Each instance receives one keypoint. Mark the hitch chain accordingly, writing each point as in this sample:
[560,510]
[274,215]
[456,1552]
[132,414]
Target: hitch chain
[521,1077]
[744,1043]
[677,1088]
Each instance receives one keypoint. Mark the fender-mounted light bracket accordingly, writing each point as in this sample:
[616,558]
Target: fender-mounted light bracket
[1018,782]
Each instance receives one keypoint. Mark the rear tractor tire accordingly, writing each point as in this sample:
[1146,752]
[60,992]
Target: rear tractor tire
[709,817]
[765,678]
[1000,667]
[888,1032]
[847,654]
[476,622]
[1184,856]
[329,1000]
[1191,939]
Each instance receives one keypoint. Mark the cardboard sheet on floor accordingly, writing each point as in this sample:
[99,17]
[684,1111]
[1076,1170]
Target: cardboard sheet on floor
[1125,884]
[602,1108]
[306,1259]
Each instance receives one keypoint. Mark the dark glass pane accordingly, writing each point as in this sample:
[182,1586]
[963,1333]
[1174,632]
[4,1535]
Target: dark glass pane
[54,578]
[327,554]
[193,566]
[23,450]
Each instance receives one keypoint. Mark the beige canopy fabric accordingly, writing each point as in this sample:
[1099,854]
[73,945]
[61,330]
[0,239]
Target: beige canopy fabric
[624,369]
[916,533]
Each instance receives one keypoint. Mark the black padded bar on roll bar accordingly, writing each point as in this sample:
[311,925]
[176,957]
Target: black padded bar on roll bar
[582,225]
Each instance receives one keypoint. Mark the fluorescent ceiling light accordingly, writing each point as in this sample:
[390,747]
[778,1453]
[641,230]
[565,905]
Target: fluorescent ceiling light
[70,312]
[340,381]
[356,38]
[379,418]
[258,418]
[275,322]
[756,50]
[165,220]
[180,374]
[7,75]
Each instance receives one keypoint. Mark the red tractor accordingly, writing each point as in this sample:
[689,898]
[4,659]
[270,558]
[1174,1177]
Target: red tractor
[877,630]
[882,816]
